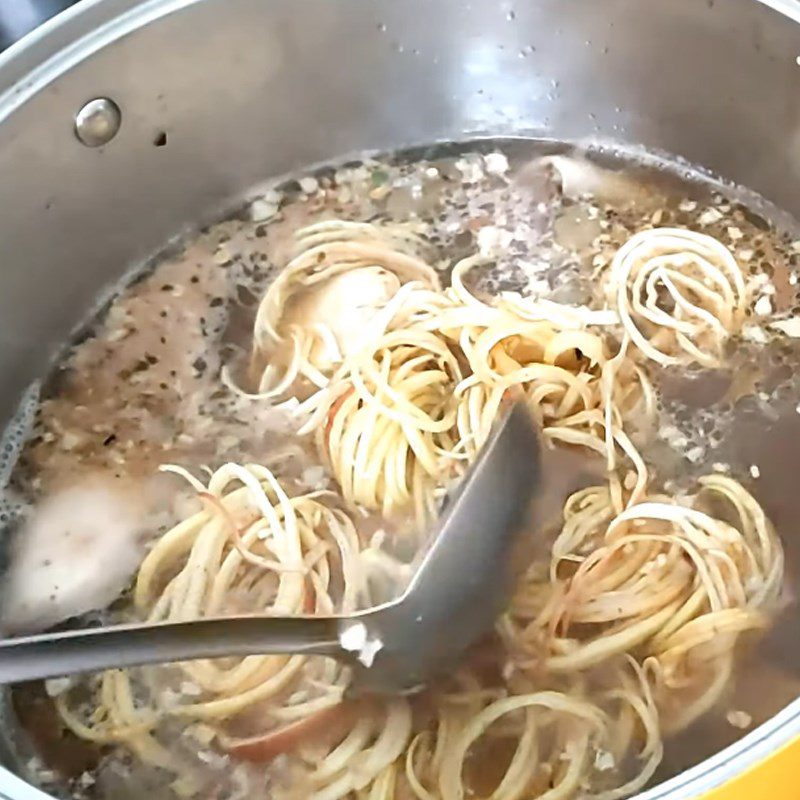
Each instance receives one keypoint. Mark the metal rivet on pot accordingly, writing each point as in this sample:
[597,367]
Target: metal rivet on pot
[97,122]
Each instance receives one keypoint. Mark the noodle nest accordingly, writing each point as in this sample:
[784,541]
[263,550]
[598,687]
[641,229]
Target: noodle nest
[680,295]
[625,635]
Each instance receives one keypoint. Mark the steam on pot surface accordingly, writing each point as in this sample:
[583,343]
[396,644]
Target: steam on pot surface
[267,421]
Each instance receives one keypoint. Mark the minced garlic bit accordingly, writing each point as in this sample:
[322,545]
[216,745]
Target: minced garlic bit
[791,327]
[763,306]
[710,216]
[673,436]
[755,471]
[496,163]
[735,233]
[309,184]
[695,454]
[755,334]
[739,719]
[222,256]
[261,210]
[603,761]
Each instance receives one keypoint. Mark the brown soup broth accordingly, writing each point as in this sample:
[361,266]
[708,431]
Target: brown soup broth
[143,385]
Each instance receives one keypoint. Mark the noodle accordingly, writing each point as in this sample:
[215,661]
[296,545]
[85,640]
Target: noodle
[418,398]
[626,635]
[384,422]
[213,577]
[660,578]
[679,294]
[333,260]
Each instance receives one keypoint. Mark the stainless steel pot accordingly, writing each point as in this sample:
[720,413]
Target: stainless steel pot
[215,95]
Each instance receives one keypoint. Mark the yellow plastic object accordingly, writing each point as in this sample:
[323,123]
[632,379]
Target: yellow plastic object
[775,778]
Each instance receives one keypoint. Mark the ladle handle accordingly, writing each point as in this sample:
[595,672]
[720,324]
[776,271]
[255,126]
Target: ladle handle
[57,654]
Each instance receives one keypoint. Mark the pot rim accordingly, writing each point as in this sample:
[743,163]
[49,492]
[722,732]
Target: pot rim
[66,39]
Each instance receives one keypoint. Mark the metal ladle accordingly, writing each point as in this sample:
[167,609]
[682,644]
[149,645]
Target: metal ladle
[463,580]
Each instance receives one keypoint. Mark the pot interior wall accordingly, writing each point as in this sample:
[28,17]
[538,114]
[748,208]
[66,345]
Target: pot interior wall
[241,90]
